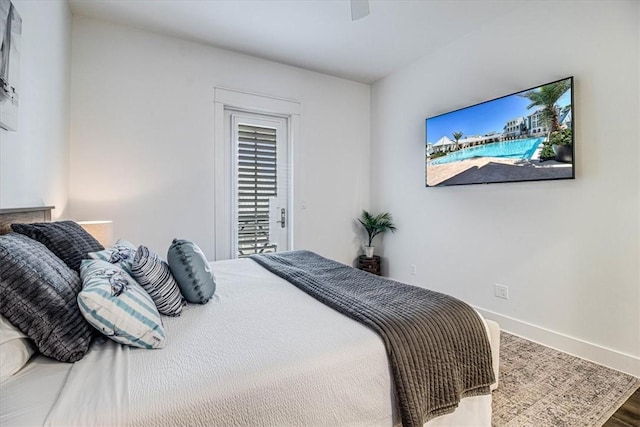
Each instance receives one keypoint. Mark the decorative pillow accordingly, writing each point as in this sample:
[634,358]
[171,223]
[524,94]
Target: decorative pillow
[122,253]
[38,296]
[155,277]
[192,271]
[66,239]
[15,349]
[118,307]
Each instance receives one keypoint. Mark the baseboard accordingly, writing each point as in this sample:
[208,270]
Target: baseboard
[617,360]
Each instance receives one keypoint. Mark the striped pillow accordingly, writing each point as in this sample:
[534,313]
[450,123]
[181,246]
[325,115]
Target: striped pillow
[154,276]
[122,253]
[118,307]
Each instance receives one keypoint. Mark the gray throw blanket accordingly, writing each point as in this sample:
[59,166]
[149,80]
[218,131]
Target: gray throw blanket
[437,345]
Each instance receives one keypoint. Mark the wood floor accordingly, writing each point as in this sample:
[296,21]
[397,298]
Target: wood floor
[628,415]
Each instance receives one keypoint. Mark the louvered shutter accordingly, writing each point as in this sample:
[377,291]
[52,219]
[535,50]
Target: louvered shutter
[256,184]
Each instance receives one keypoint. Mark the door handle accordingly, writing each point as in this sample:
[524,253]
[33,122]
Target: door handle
[283,221]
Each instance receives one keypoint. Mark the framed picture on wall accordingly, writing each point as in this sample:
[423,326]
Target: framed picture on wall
[525,136]
[10,31]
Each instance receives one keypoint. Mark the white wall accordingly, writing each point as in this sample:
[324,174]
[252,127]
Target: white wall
[34,160]
[568,250]
[142,138]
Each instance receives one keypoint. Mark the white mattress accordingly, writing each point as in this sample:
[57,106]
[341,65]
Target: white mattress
[261,352]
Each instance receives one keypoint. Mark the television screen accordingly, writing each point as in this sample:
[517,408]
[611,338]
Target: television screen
[526,136]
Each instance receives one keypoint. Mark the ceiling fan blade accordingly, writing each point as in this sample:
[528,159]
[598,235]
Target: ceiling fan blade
[359,9]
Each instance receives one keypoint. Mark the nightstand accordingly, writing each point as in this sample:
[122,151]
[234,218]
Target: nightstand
[371,265]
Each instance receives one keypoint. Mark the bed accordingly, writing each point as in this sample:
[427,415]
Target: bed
[261,352]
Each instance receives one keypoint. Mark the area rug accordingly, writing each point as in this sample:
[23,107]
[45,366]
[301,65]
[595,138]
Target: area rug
[540,386]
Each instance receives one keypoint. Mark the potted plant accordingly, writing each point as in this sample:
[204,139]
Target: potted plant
[562,145]
[375,225]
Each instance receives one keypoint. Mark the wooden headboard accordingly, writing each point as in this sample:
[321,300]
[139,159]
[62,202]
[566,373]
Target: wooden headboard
[24,215]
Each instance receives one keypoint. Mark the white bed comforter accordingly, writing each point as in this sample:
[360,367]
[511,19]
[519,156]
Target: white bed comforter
[261,352]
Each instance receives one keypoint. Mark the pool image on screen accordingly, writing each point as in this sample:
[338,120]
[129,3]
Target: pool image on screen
[525,136]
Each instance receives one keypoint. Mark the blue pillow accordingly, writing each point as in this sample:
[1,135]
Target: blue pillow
[191,270]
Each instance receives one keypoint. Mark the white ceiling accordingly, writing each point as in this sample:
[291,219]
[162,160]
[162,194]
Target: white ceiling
[312,34]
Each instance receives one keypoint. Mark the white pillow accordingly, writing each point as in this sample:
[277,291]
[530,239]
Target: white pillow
[15,349]
[116,305]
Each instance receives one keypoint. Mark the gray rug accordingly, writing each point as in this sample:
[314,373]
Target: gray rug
[540,386]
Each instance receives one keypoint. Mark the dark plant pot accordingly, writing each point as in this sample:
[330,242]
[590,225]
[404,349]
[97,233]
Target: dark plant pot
[564,153]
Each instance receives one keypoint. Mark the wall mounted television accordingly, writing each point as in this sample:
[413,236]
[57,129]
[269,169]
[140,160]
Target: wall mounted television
[525,136]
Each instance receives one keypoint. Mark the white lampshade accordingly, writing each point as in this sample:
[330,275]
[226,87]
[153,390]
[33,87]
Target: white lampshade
[102,231]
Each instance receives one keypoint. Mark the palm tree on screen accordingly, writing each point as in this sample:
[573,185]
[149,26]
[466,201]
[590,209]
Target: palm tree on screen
[546,98]
[457,136]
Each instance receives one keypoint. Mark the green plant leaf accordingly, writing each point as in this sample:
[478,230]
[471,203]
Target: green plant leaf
[375,225]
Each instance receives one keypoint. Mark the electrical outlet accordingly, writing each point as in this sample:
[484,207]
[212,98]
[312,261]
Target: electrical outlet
[412,269]
[501,291]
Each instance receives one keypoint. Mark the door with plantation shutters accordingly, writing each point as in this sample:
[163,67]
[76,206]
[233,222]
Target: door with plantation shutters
[260,184]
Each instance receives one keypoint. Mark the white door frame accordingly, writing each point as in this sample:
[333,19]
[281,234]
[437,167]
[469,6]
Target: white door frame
[223,158]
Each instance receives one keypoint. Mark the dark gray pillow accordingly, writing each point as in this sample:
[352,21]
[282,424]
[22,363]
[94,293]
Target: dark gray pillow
[153,274]
[66,239]
[38,296]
